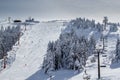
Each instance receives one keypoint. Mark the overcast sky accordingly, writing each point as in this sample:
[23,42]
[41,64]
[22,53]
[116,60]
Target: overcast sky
[60,9]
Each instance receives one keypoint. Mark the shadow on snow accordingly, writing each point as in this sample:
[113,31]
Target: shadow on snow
[57,75]
[115,65]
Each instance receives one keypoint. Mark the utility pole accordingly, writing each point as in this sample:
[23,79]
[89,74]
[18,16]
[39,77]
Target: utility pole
[103,43]
[98,64]
[105,21]
[98,50]
[9,19]
[101,49]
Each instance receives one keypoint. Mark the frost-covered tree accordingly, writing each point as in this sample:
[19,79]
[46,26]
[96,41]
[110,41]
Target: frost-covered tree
[99,27]
[113,27]
[117,54]
[92,44]
[8,37]
[71,51]
[49,59]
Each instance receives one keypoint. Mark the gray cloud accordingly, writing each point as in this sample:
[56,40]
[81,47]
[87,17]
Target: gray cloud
[51,9]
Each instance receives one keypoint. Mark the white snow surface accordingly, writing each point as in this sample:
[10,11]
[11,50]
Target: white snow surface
[30,52]
[33,46]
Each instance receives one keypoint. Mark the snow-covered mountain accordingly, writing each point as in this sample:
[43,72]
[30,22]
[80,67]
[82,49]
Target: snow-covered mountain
[30,52]
[77,42]
[36,42]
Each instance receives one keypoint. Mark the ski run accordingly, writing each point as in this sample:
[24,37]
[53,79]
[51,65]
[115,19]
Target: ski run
[30,52]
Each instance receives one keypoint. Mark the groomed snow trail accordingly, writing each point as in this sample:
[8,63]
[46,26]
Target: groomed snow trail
[30,52]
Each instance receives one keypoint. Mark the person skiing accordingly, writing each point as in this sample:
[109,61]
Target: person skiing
[86,76]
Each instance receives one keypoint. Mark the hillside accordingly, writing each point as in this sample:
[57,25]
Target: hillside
[30,54]
[76,47]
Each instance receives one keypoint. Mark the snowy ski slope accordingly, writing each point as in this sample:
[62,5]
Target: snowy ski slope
[30,52]
[33,46]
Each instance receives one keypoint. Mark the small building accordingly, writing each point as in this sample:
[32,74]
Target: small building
[17,21]
[31,20]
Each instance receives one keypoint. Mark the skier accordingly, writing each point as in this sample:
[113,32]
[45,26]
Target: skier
[86,76]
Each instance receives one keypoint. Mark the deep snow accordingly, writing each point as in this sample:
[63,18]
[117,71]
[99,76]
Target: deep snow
[30,52]
[33,46]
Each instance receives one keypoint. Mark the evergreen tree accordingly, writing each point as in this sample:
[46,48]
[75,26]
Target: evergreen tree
[70,51]
[117,55]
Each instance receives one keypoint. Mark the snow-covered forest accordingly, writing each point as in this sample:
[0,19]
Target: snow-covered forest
[78,42]
[75,44]
[71,50]
[59,50]
[59,39]
[8,37]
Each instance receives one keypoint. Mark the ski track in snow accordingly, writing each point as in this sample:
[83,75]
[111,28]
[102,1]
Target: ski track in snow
[32,48]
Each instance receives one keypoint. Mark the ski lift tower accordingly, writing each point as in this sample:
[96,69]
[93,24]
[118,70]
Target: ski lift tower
[105,22]
[99,50]
[9,19]
[118,36]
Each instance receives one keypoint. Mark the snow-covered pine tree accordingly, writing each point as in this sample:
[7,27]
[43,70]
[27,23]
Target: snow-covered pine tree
[8,37]
[91,44]
[99,27]
[49,59]
[71,51]
[117,54]
[113,27]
